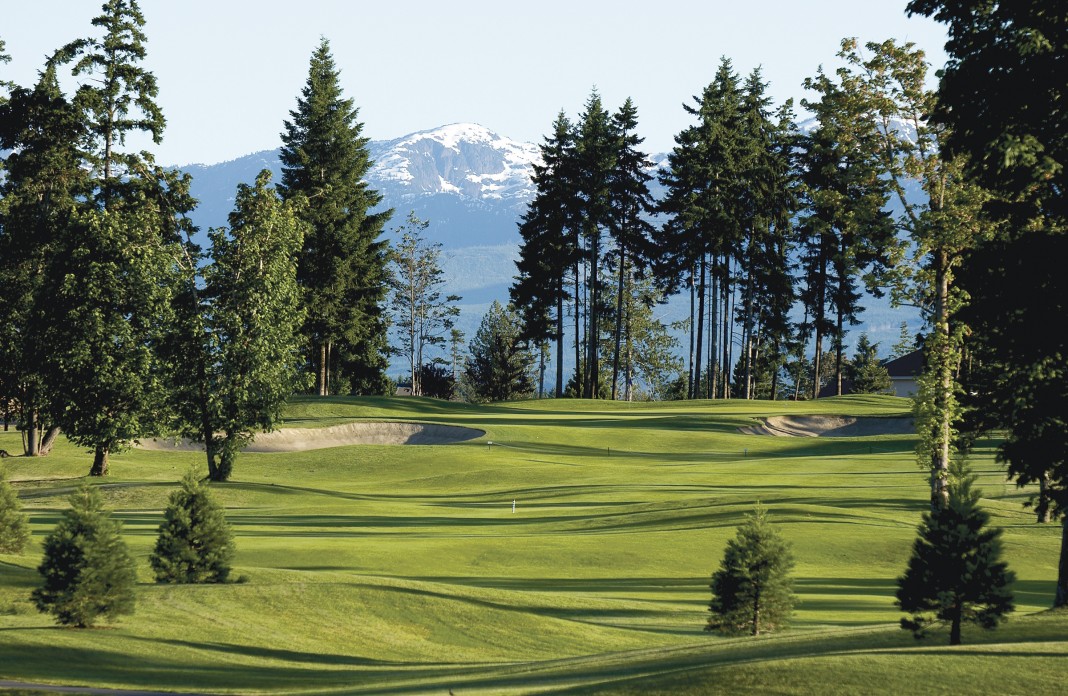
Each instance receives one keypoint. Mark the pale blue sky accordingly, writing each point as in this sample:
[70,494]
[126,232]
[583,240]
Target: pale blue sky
[230,70]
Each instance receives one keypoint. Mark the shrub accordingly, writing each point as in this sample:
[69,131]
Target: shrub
[87,569]
[195,544]
[14,530]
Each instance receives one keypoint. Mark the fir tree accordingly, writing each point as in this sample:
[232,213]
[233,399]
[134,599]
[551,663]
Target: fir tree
[14,530]
[499,367]
[87,570]
[752,591]
[195,544]
[342,268]
[955,574]
[866,373]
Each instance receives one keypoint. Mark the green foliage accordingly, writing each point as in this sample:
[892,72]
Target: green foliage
[865,371]
[500,365]
[87,570]
[342,267]
[14,529]
[752,591]
[422,317]
[252,325]
[955,574]
[195,544]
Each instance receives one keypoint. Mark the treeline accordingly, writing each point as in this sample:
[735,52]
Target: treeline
[115,325]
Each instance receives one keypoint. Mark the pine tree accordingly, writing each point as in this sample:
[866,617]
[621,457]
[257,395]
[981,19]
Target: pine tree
[865,372]
[906,342]
[195,544]
[549,250]
[752,591]
[14,529]
[342,268]
[500,366]
[955,574]
[87,570]
[421,315]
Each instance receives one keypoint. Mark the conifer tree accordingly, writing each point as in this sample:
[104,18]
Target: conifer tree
[195,544]
[955,574]
[14,530]
[752,591]
[342,268]
[43,185]
[87,571]
[865,372]
[549,250]
[500,366]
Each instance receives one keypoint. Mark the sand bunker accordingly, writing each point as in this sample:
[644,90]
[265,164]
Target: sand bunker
[830,426]
[300,439]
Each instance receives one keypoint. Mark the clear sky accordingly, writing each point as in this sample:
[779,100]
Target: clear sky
[229,71]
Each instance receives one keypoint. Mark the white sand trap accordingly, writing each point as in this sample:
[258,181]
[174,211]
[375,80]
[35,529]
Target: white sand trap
[830,426]
[300,439]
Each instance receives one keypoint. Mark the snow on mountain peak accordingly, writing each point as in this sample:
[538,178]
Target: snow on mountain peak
[460,158]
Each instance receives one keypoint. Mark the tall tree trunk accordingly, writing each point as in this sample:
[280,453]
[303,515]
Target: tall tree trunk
[1042,509]
[690,390]
[560,341]
[1060,599]
[700,328]
[725,292]
[954,629]
[31,435]
[593,312]
[320,377]
[100,461]
[580,376]
[728,340]
[839,340]
[713,328]
[619,321]
[944,405]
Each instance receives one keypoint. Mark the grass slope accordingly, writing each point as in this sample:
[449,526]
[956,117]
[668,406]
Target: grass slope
[388,569]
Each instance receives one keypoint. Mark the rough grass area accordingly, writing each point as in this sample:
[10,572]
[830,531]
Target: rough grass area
[382,569]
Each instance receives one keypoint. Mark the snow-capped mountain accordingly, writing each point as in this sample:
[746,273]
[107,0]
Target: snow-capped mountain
[463,159]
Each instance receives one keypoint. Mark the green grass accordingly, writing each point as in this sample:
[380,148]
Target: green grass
[376,569]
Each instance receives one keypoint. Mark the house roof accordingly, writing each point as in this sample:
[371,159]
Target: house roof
[908,365]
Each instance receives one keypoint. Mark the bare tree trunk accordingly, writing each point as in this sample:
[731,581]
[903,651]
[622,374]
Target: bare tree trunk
[100,462]
[49,440]
[943,400]
[1060,599]
[619,322]
[700,328]
[31,435]
[320,378]
[560,341]
[1042,509]
[713,329]
[690,390]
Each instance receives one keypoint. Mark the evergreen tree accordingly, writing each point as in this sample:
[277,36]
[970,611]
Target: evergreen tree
[421,315]
[549,250]
[850,237]
[500,366]
[752,591]
[865,370]
[14,529]
[87,570]
[117,97]
[1015,149]
[955,574]
[43,184]
[629,227]
[252,326]
[906,342]
[342,267]
[195,544]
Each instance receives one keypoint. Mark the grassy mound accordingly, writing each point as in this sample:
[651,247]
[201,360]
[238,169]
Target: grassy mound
[378,569]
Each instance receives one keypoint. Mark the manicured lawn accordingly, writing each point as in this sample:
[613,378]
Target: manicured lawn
[402,569]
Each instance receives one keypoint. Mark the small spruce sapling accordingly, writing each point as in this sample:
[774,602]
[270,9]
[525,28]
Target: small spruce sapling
[752,591]
[195,544]
[87,569]
[14,530]
[955,574]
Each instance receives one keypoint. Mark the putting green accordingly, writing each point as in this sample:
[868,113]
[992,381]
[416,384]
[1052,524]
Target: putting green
[381,569]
